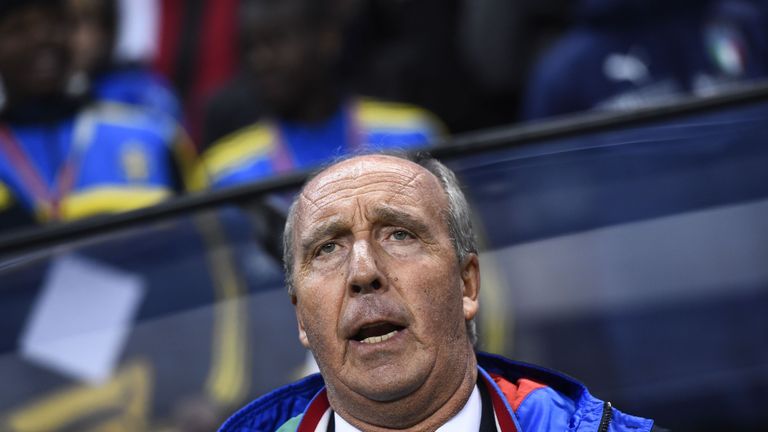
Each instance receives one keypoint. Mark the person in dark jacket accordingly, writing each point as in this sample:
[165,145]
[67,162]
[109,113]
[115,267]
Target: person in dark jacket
[293,51]
[629,54]
[383,271]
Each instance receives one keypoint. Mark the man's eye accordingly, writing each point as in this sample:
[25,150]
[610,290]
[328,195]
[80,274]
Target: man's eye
[327,248]
[400,235]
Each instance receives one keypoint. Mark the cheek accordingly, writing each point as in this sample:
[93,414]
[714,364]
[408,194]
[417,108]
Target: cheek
[318,325]
[434,294]
[318,306]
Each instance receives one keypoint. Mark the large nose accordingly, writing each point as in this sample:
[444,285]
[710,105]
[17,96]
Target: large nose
[364,274]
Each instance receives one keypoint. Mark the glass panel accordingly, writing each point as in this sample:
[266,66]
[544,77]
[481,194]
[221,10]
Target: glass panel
[633,259]
[179,322]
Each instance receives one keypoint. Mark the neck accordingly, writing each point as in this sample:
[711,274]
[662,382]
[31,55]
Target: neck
[426,409]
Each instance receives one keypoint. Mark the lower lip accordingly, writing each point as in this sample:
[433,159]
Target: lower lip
[392,343]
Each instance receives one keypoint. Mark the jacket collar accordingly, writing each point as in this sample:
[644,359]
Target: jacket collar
[504,416]
[273,409]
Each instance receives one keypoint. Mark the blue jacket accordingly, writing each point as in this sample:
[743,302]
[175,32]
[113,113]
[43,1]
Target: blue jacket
[536,399]
[136,85]
[268,147]
[118,158]
[624,54]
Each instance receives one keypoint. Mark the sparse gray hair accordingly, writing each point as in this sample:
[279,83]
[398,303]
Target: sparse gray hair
[457,216]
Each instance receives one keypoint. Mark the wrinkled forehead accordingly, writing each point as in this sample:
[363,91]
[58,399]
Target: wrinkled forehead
[376,177]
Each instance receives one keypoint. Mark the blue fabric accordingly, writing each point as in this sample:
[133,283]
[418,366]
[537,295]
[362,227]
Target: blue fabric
[269,412]
[563,404]
[140,87]
[313,144]
[495,388]
[246,172]
[277,147]
[545,409]
[113,133]
[383,140]
[616,60]
[47,147]
[103,162]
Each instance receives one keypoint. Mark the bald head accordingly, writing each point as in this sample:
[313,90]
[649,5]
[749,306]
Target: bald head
[456,216]
[370,174]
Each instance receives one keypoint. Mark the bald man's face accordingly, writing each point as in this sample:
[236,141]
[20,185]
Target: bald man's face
[380,297]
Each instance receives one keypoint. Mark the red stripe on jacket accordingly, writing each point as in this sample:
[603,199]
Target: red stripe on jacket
[516,392]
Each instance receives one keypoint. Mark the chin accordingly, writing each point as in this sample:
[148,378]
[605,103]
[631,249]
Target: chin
[390,383]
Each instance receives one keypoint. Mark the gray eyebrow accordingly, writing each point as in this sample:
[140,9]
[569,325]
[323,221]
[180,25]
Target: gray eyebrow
[393,216]
[324,230]
[381,214]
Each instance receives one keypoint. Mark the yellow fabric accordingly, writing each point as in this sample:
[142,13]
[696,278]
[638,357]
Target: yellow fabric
[230,151]
[111,199]
[124,402]
[188,162]
[229,376]
[258,139]
[6,199]
[373,113]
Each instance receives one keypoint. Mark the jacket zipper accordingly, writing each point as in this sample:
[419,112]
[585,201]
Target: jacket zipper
[605,421]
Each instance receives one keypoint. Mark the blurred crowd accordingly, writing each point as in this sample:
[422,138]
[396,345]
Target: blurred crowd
[112,105]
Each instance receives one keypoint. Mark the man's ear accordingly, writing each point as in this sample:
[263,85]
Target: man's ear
[470,277]
[302,334]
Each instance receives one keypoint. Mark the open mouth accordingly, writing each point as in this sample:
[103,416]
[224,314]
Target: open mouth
[377,332]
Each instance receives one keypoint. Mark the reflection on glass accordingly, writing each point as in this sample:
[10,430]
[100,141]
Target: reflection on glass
[631,258]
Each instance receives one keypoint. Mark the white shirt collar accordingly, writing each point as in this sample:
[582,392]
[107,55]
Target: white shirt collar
[468,419]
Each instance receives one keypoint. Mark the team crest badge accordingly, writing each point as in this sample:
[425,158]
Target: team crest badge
[134,162]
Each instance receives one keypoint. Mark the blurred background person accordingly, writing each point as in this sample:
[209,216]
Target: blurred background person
[465,61]
[625,54]
[438,54]
[295,49]
[64,157]
[96,28]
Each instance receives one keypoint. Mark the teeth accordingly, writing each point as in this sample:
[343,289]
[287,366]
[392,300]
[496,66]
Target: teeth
[377,339]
